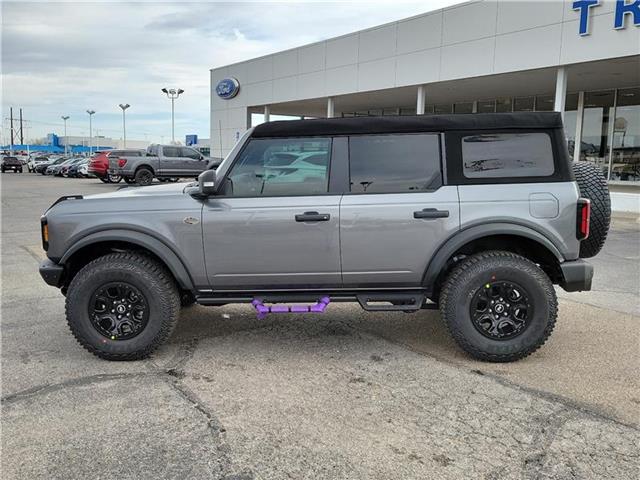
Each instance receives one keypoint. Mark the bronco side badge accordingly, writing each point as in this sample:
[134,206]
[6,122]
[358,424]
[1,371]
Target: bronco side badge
[191,220]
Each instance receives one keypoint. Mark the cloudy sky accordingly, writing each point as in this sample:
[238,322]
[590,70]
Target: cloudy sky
[63,58]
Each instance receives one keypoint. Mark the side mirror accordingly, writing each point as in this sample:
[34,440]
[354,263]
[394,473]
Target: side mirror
[207,183]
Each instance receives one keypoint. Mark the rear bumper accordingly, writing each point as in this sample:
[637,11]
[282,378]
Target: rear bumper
[51,273]
[577,275]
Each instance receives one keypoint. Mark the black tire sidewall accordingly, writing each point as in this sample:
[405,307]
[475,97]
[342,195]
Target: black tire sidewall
[143,172]
[467,283]
[89,280]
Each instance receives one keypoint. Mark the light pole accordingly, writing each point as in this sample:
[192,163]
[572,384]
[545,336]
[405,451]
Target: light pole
[90,112]
[124,106]
[172,94]
[66,140]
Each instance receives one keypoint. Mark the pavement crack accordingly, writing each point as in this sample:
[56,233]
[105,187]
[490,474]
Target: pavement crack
[75,382]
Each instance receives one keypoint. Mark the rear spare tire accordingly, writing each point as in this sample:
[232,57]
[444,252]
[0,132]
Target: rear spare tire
[593,186]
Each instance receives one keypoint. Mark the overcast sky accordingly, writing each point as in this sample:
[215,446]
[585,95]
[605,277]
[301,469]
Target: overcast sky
[63,58]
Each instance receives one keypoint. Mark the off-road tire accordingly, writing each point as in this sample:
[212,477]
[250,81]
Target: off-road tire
[155,283]
[593,185]
[187,299]
[491,266]
[144,176]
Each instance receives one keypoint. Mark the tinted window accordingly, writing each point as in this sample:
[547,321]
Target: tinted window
[287,166]
[394,163]
[496,155]
[172,152]
[190,153]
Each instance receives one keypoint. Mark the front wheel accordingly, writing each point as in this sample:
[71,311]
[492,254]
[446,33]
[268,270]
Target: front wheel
[498,306]
[122,306]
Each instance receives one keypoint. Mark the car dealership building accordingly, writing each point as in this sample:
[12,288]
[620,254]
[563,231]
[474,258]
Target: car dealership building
[581,58]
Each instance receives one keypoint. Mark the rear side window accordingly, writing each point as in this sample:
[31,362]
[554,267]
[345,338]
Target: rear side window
[394,163]
[507,155]
[171,152]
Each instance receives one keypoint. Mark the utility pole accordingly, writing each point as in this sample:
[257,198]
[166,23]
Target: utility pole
[172,94]
[90,112]
[21,134]
[66,139]
[124,106]
[11,120]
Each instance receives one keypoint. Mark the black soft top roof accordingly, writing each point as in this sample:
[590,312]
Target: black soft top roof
[408,124]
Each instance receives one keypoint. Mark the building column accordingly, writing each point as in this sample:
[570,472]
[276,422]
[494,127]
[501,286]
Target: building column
[330,107]
[267,113]
[474,108]
[421,100]
[561,90]
[578,136]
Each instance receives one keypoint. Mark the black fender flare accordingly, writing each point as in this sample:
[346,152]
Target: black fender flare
[157,247]
[462,237]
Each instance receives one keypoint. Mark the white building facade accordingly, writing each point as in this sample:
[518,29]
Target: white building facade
[581,58]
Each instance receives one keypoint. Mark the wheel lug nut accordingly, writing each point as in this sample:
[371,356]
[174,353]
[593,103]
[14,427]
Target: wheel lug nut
[113,311]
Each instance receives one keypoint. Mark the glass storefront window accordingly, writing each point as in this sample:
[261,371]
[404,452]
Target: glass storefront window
[486,106]
[570,120]
[625,142]
[466,107]
[523,104]
[597,116]
[503,105]
[444,108]
[544,103]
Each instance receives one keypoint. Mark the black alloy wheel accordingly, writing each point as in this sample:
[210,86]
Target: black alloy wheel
[118,311]
[501,310]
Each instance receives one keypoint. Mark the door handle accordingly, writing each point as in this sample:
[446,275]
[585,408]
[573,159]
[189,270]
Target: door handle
[430,213]
[313,217]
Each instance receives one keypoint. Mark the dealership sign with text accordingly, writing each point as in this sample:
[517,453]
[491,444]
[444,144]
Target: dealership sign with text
[623,8]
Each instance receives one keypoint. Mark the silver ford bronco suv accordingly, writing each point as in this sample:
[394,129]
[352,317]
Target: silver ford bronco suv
[477,215]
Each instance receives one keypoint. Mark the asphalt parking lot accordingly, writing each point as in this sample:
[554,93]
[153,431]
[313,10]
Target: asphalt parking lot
[342,395]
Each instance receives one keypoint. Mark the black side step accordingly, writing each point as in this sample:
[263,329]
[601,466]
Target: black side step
[394,301]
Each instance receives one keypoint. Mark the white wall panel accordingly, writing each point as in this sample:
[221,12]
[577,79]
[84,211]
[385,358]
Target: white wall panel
[311,85]
[509,52]
[469,22]
[377,43]
[419,33]
[468,59]
[285,64]
[342,51]
[514,16]
[339,79]
[377,74]
[311,58]
[418,67]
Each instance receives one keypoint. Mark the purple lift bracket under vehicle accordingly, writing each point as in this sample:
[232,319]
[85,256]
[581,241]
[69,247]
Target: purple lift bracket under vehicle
[263,310]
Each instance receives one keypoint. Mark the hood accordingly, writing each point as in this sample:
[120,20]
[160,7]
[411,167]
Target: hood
[133,191]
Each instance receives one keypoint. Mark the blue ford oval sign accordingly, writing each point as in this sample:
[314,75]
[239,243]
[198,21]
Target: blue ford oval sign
[227,88]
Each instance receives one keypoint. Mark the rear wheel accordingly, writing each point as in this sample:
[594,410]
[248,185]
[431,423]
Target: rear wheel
[498,306]
[114,178]
[593,185]
[122,306]
[144,176]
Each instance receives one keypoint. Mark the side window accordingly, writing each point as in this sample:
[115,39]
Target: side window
[171,152]
[190,153]
[394,163]
[507,155]
[281,167]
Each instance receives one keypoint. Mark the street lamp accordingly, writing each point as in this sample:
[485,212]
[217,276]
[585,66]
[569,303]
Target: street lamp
[172,94]
[124,106]
[66,140]
[90,112]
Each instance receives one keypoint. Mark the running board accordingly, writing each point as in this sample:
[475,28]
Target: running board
[391,301]
[263,310]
